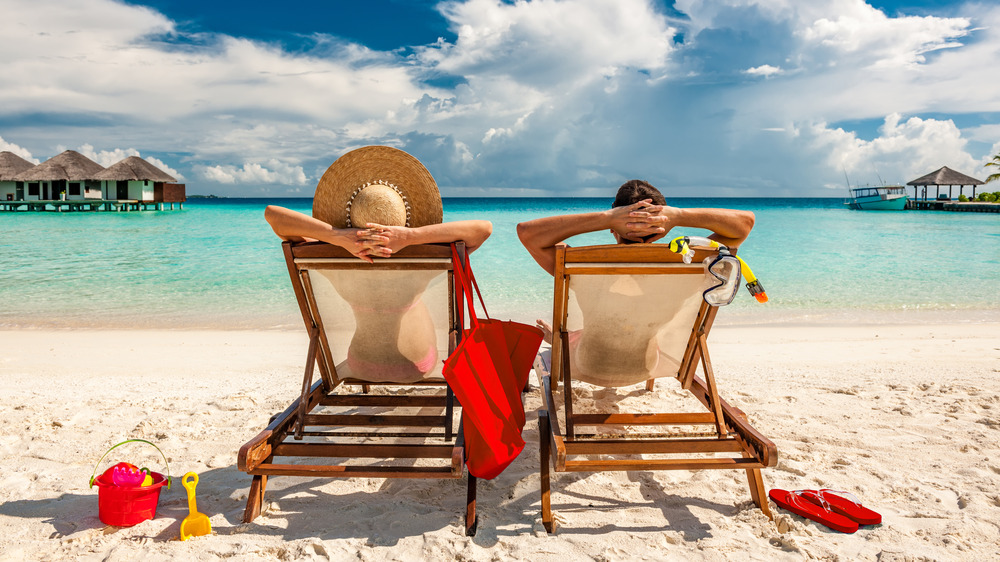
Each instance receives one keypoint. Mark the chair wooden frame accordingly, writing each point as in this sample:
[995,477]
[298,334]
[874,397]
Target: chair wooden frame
[747,449]
[283,437]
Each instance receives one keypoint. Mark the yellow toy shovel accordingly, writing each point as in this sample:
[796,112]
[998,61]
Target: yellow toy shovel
[195,524]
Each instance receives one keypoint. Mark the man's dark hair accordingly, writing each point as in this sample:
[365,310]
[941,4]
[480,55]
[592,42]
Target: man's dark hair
[634,191]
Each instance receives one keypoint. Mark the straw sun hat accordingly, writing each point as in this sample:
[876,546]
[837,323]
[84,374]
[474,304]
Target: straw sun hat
[377,184]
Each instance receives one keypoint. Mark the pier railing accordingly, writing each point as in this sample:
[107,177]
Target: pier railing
[87,205]
[954,206]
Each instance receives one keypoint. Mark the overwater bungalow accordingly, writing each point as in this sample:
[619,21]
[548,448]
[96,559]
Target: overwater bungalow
[942,177]
[68,176]
[10,166]
[71,181]
[137,179]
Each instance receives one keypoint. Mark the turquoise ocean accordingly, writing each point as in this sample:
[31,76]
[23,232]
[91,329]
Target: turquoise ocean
[216,264]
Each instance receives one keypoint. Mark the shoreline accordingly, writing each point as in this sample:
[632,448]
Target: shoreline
[739,317]
[904,416]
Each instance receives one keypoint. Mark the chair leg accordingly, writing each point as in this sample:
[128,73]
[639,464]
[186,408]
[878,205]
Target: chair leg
[544,454]
[757,491]
[649,385]
[255,498]
[449,413]
[471,518]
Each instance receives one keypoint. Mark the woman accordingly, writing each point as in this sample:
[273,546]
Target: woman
[373,202]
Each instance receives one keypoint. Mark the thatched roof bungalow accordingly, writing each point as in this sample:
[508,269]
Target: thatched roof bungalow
[11,165]
[69,175]
[135,178]
[944,176]
[134,168]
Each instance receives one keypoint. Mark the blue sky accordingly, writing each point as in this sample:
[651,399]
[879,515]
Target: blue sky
[515,98]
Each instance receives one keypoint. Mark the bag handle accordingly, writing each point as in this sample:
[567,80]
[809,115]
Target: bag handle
[93,476]
[464,290]
[468,280]
[472,277]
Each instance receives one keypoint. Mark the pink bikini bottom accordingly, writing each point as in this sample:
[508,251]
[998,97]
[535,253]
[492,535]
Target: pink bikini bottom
[397,371]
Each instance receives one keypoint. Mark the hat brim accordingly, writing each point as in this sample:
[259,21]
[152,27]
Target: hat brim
[377,164]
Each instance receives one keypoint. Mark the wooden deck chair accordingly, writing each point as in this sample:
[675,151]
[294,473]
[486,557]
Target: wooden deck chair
[378,334]
[626,315]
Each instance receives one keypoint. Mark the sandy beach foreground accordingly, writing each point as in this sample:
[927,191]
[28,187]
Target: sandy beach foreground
[907,417]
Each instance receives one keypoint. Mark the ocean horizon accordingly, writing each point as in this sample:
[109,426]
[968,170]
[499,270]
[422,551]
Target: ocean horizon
[217,264]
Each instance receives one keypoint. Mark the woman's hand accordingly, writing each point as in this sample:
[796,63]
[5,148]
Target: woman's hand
[381,241]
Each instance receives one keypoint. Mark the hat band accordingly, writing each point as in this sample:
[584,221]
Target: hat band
[406,202]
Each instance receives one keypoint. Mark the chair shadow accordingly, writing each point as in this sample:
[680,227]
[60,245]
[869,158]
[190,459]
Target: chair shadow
[297,508]
[305,511]
[71,513]
[675,508]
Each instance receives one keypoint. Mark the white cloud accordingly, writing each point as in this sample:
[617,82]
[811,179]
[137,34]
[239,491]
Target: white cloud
[544,43]
[984,133]
[983,171]
[549,96]
[764,70]
[20,151]
[275,172]
[108,158]
[903,151]
[866,32]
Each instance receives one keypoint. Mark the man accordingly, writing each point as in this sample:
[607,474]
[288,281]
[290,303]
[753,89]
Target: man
[639,214]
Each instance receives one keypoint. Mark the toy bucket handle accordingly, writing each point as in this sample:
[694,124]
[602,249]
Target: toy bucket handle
[92,476]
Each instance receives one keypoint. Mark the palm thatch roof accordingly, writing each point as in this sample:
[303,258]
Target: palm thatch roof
[945,176]
[69,165]
[11,165]
[135,169]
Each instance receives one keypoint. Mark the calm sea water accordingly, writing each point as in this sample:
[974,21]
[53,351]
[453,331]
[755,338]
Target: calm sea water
[216,264]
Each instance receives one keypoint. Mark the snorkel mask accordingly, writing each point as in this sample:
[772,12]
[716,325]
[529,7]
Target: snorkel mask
[724,267]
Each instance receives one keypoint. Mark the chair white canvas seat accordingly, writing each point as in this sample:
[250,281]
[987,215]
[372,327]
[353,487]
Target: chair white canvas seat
[624,316]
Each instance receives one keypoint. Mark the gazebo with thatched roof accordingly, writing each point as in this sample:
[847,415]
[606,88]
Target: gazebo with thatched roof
[945,176]
[10,166]
[135,178]
[70,173]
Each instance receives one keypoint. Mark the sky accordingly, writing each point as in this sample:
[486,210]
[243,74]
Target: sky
[703,98]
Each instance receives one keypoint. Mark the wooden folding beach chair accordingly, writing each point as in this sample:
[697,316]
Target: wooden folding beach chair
[626,315]
[378,334]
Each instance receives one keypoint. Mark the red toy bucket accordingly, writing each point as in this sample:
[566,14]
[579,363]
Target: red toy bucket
[124,506]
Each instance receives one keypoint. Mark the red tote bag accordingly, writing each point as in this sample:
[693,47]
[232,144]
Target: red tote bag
[522,341]
[482,376]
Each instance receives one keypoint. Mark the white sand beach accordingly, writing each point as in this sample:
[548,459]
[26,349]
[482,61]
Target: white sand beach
[906,417]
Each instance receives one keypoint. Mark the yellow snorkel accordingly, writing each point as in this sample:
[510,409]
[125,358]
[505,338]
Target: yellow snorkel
[682,245]
[753,285]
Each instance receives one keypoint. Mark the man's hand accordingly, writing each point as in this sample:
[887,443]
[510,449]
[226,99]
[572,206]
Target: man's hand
[637,221]
[657,220]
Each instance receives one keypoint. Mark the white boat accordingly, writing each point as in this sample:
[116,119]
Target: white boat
[881,198]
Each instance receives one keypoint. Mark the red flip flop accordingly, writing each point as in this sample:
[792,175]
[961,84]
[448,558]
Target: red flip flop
[843,503]
[793,502]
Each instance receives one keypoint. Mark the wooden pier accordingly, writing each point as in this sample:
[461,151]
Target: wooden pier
[117,205]
[953,206]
